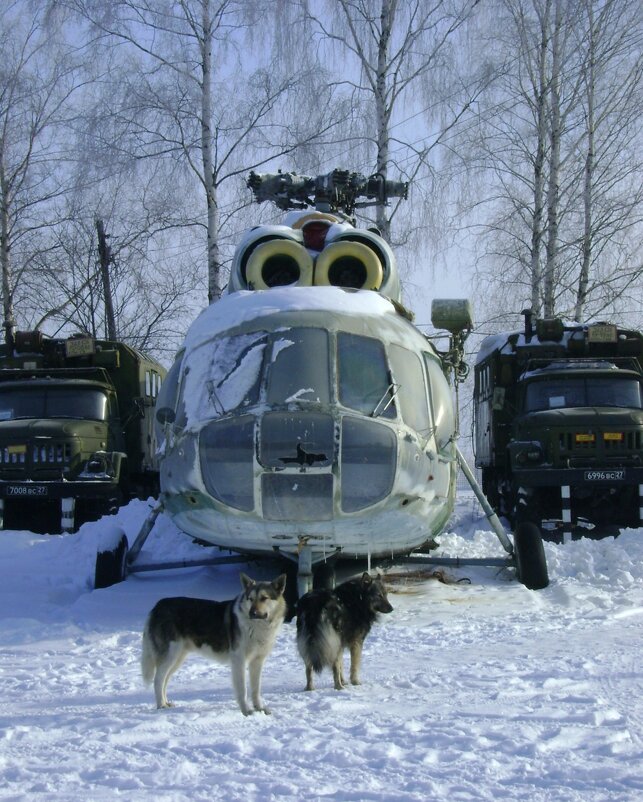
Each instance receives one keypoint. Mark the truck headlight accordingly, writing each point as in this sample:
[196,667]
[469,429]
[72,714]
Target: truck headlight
[528,454]
[98,466]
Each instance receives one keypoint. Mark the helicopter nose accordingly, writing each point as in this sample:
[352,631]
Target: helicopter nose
[306,472]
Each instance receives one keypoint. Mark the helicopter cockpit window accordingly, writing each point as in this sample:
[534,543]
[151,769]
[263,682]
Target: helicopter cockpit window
[441,402]
[364,379]
[409,379]
[298,369]
[223,375]
[166,401]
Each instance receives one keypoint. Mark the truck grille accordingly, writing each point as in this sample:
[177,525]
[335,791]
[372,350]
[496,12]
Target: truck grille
[42,455]
[10,457]
[630,442]
[588,452]
[59,453]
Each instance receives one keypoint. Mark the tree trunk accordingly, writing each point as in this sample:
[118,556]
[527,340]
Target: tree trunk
[381,109]
[586,248]
[553,189]
[539,171]
[5,263]
[209,178]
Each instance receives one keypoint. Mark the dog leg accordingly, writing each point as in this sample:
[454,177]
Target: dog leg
[310,686]
[338,673]
[239,683]
[254,670]
[165,668]
[356,661]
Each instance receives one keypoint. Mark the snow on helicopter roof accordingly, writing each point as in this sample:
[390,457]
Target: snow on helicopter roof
[247,305]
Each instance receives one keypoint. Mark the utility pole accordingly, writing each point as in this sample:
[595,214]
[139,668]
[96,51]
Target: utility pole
[105,254]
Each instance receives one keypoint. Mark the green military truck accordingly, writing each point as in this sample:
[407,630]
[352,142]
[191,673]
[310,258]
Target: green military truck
[559,426]
[76,429]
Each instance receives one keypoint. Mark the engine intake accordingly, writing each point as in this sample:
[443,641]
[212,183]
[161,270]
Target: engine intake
[279,263]
[349,264]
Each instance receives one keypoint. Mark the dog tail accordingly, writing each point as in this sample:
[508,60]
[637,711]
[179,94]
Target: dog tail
[318,641]
[148,656]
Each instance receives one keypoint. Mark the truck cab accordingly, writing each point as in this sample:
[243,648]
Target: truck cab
[76,429]
[559,426]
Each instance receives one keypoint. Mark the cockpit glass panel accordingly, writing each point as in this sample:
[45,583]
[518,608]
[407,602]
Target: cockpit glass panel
[364,380]
[302,497]
[586,391]
[441,402]
[409,379]
[368,462]
[223,375]
[166,399]
[296,440]
[298,370]
[226,450]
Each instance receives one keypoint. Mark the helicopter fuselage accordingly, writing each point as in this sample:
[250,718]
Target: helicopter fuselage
[307,416]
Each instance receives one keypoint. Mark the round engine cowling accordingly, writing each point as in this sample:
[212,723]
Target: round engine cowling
[346,263]
[279,263]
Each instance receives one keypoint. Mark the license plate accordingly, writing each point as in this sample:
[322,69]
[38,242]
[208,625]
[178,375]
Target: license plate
[27,491]
[605,476]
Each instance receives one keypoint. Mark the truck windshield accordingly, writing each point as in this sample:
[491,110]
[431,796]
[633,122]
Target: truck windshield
[587,391]
[52,402]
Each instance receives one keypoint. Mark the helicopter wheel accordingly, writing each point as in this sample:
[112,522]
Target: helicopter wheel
[111,560]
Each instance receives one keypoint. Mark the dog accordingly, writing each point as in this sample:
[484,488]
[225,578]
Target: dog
[329,621]
[240,631]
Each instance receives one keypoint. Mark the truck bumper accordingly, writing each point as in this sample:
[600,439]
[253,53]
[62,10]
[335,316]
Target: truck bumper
[574,477]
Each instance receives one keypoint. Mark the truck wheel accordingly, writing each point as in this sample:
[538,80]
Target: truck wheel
[111,560]
[529,513]
[531,563]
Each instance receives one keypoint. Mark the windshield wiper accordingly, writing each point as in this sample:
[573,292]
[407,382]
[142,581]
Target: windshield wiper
[393,390]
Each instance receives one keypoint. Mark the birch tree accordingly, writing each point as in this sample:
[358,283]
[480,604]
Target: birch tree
[154,282]
[190,97]
[612,190]
[397,66]
[39,75]
[549,203]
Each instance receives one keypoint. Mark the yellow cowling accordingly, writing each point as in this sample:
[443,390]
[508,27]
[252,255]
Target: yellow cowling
[279,263]
[346,263]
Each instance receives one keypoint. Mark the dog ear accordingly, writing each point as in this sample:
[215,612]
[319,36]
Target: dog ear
[246,582]
[279,584]
[366,578]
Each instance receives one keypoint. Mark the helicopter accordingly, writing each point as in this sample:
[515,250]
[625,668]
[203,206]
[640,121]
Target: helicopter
[306,417]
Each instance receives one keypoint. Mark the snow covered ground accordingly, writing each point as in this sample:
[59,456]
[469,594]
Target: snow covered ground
[480,691]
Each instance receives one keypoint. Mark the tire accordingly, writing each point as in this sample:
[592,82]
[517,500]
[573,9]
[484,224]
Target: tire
[531,563]
[111,563]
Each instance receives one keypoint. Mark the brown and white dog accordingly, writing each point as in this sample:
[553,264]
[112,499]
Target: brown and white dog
[240,631]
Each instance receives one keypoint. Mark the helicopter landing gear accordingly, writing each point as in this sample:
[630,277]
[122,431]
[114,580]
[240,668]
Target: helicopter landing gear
[313,571]
[305,570]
